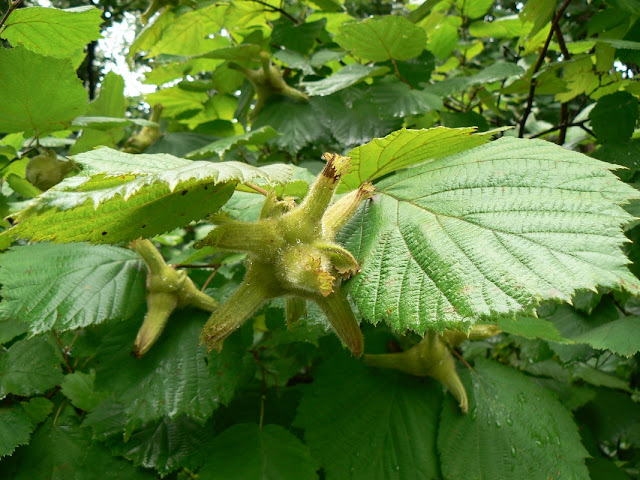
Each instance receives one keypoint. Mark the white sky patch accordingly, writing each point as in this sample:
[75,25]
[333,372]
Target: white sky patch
[114,45]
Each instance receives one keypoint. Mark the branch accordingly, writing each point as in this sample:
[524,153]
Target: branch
[562,126]
[12,6]
[543,52]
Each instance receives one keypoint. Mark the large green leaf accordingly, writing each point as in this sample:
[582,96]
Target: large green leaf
[29,366]
[490,231]
[404,148]
[515,429]
[174,378]
[364,424]
[249,451]
[382,38]
[69,286]
[61,450]
[53,32]
[38,93]
[129,196]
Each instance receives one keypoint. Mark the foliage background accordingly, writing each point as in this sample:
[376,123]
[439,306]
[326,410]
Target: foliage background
[553,396]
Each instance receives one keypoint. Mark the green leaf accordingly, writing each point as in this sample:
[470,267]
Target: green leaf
[177,100]
[515,429]
[15,429]
[486,232]
[620,336]
[348,116]
[382,38]
[78,387]
[39,94]
[404,148]
[532,327]
[174,378]
[188,34]
[62,450]
[53,32]
[614,117]
[613,418]
[220,147]
[69,286]
[166,445]
[247,451]
[110,103]
[505,27]
[343,78]
[18,421]
[299,38]
[626,154]
[539,13]
[153,194]
[398,99]
[298,124]
[10,328]
[364,424]
[28,367]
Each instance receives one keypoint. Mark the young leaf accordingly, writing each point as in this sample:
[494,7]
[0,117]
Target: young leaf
[78,387]
[29,366]
[39,94]
[490,231]
[53,32]
[382,38]
[69,286]
[405,148]
[515,429]
[248,451]
[364,424]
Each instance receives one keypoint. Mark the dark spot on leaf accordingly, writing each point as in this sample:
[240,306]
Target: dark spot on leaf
[206,188]
[104,233]
[206,361]
[144,225]
[184,192]
[10,220]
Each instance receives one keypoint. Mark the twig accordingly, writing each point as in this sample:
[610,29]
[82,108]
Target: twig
[543,52]
[194,265]
[257,188]
[12,6]
[561,43]
[564,117]
[277,9]
[213,274]
[559,127]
